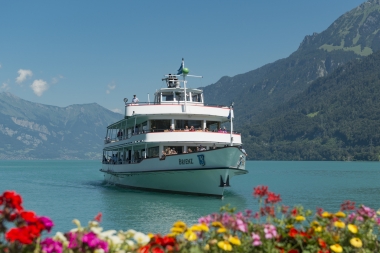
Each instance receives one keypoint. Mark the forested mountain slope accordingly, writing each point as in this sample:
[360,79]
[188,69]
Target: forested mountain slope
[353,35]
[336,118]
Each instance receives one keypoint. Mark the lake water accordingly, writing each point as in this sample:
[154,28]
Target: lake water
[64,190]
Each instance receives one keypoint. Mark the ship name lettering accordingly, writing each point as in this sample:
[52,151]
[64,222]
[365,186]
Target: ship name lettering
[185,161]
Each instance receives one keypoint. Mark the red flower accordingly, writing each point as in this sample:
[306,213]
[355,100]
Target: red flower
[144,249]
[260,191]
[319,211]
[347,205]
[12,200]
[29,216]
[322,243]
[98,217]
[19,234]
[157,250]
[284,209]
[293,232]
[272,198]
[294,212]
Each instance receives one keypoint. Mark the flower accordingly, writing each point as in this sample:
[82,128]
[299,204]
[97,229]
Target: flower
[225,245]
[51,246]
[356,242]
[270,231]
[336,248]
[98,217]
[190,235]
[47,222]
[141,238]
[300,218]
[326,214]
[352,228]
[256,240]
[340,214]
[234,240]
[260,191]
[339,224]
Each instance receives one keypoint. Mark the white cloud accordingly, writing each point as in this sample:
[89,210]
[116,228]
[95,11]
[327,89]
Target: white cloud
[117,110]
[39,86]
[23,74]
[4,87]
[111,86]
[56,79]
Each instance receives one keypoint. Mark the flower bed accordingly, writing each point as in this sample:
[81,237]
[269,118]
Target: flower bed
[274,228]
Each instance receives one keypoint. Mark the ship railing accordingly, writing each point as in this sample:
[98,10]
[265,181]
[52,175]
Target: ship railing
[174,103]
[155,130]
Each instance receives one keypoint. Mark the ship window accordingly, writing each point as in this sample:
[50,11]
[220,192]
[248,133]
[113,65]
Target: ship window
[152,152]
[181,124]
[167,97]
[196,98]
[160,125]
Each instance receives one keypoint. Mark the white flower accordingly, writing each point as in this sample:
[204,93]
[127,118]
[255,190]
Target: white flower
[77,222]
[96,230]
[130,233]
[108,233]
[60,237]
[99,251]
[93,224]
[141,238]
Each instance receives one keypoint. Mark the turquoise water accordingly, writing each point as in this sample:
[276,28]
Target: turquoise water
[64,190]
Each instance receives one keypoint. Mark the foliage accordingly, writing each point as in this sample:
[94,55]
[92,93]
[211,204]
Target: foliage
[337,118]
[274,228]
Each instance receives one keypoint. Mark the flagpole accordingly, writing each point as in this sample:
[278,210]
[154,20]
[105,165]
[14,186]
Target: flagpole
[184,84]
[231,126]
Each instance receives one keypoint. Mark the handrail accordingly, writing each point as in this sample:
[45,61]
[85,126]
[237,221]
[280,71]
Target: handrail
[174,103]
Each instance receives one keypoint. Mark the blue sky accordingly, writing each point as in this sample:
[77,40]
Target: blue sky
[75,52]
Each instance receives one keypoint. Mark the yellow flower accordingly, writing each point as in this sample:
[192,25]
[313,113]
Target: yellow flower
[224,245]
[179,224]
[318,229]
[336,248]
[356,242]
[353,228]
[326,215]
[190,235]
[200,227]
[177,230]
[221,230]
[206,247]
[217,224]
[339,224]
[151,235]
[340,214]
[234,240]
[300,218]
[315,223]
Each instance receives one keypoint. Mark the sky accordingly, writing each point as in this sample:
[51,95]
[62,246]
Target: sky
[77,52]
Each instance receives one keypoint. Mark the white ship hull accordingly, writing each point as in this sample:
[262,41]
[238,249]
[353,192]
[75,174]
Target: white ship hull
[205,173]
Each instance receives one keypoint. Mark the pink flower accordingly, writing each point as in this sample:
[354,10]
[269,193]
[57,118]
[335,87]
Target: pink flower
[51,246]
[366,211]
[206,220]
[48,223]
[241,225]
[94,242]
[256,240]
[73,243]
[270,231]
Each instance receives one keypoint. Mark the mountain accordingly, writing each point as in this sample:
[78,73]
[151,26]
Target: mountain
[353,35]
[36,131]
[336,118]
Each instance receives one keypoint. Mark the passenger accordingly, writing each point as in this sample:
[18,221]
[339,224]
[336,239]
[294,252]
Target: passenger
[174,152]
[135,99]
[171,129]
[214,146]
[201,148]
[189,150]
[192,129]
[220,130]
[186,129]
[163,156]
[120,135]
[224,130]
[206,129]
